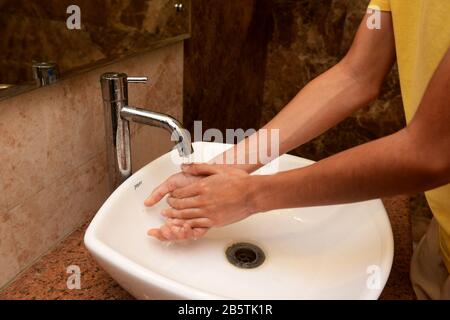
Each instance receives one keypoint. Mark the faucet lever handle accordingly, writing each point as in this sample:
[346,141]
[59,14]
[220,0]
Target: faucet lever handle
[137,79]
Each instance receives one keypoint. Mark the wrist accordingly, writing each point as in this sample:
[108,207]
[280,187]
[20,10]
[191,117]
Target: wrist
[258,196]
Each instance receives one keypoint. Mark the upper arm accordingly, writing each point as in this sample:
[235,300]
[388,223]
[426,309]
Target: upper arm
[372,53]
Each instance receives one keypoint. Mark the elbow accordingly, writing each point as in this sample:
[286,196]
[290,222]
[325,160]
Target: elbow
[431,155]
[373,91]
[368,83]
[434,166]
[439,171]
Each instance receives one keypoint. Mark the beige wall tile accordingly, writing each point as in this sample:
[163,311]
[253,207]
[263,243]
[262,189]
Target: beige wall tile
[53,173]
[9,266]
[149,144]
[44,219]
[48,132]
[3,205]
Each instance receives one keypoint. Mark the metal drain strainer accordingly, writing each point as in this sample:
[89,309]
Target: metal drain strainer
[245,255]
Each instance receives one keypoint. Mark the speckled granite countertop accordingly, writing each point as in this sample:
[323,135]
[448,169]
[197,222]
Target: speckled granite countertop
[46,279]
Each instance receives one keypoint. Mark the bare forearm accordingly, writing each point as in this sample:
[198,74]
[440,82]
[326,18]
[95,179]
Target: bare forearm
[334,95]
[389,166]
[415,159]
[323,103]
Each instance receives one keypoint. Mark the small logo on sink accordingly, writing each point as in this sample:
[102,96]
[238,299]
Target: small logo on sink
[137,185]
[374,280]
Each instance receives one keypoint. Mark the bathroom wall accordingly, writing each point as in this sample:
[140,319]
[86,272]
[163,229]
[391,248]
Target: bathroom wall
[224,63]
[310,37]
[247,59]
[35,30]
[52,153]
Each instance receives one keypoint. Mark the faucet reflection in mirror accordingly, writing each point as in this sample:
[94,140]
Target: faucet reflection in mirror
[118,115]
[45,73]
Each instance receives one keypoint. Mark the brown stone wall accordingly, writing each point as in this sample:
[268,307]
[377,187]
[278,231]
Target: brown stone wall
[35,30]
[309,37]
[225,62]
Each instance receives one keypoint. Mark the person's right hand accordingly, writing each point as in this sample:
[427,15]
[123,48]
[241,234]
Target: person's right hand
[178,180]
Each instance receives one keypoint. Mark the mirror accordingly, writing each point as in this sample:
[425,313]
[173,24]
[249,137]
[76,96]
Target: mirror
[42,41]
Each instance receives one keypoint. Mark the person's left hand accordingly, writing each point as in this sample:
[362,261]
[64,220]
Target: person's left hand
[221,198]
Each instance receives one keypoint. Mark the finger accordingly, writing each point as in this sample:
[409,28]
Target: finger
[199,232]
[176,222]
[181,231]
[186,192]
[193,223]
[192,233]
[178,232]
[156,233]
[201,169]
[157,194]
[182,214]
[170,233]
[200,223]
[167,233]
[160,192]
[186,203]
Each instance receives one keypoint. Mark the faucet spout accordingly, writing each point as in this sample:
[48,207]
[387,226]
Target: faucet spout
[159,120]
[117,124]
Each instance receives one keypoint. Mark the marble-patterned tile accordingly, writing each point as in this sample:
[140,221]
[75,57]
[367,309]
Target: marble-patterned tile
[149,144]
[119,29]
[24,146]
[3,204]
[9,265]
[43,134]
[164,90]
[41,221]
[224,63]
[53,173]
[309,37]
[48,132]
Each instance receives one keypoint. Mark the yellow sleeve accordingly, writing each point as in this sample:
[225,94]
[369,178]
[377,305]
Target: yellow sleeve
[383,5]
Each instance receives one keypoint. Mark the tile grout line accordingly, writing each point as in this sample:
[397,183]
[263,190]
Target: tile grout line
[69,172]
[45,253]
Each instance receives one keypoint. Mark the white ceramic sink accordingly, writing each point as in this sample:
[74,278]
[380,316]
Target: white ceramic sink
[333,252]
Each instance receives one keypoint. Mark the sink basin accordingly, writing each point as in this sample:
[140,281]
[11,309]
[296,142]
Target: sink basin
[331,252]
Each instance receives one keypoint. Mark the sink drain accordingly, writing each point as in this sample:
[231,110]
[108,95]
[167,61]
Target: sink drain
[245,255]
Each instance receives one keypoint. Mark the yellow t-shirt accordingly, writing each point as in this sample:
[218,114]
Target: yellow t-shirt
[422,38]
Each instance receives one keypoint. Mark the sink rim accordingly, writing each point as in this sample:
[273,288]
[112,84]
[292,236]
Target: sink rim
[152,278]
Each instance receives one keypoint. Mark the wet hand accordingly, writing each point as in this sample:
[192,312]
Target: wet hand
[221,197]
[174,230]
[178,180]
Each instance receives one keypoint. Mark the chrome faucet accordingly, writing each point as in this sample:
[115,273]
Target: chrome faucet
[118,115]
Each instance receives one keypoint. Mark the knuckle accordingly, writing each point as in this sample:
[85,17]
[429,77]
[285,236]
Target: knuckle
[181,203]
[201,201]
[176,214]
[170,184]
